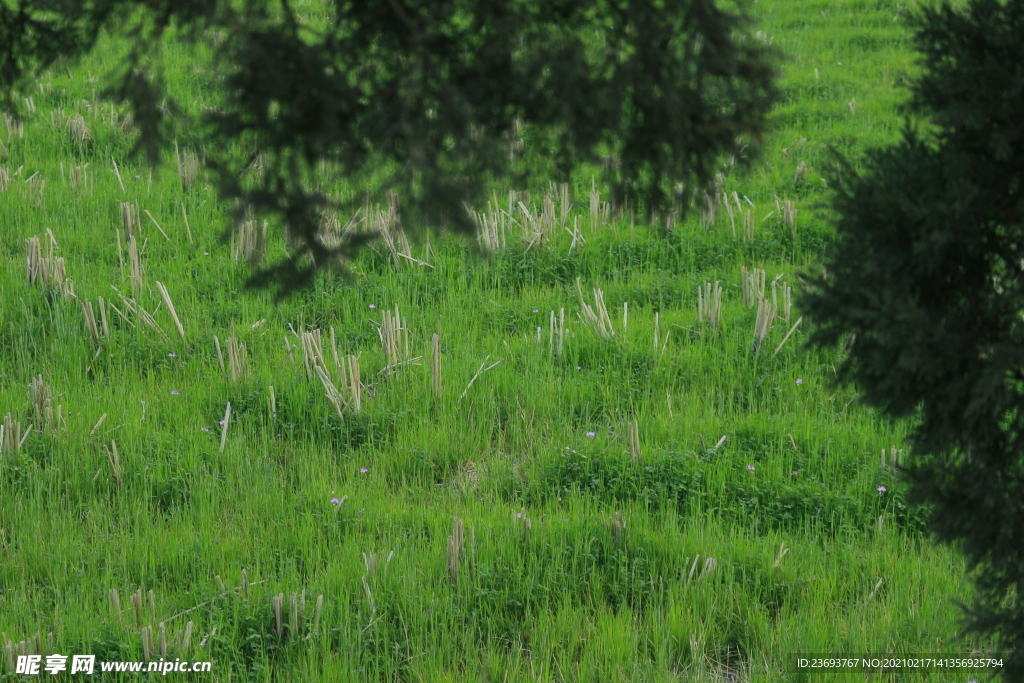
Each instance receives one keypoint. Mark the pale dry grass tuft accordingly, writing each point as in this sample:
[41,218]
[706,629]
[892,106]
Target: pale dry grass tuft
[170,308]
[633,434]
[753,285]
[599,320]
[90,322]
[78,130]
[135,308]
[394,337]
[468,478]
[237,358]
[130,219]
[492,226]
[46,270]
[388,225]
[600,212]
[787,298]
[709,304]
[15,127]
[11,436]
[249,242]
[347,393]
[35,184]
[801,172]
[763,323]
[79,177]
[710,201]
[455,541]
[556,331]
[618,529]
[188,167]
[42,402]
[435,365]
[134,268]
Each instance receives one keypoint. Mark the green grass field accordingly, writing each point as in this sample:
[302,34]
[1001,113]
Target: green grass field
[649,496]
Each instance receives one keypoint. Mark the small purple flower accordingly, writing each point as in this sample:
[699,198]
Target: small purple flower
[750,468]
[881,489]
[174,393]
[336,501]
[519,515]
[364,470]
[373,305]
[536,311]
[579,367]
[137,177]
[206,253]
[799,382]
[591,433]
[173,355]
[204,429]
[220,422]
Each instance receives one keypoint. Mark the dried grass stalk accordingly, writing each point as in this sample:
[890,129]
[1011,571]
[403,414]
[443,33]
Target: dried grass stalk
[10,435]
[599,320]
[103,317]
[224,426]
[388,225]
[709,304]
[394,336]
[146,211]
[556,331]
[435,365]
[79,177]
[36,184]
[135,308]
[753,284]
[188,166]
[130,219]
[114,460]
[788,334]
[600,212]
[78,130]
[249,242]
[170,308]
[46,270]
[134,268]
[763,323]
[42,402]
[90,322]
[455,541]
[492,225]
[633,429]
[236,358]
[618,529]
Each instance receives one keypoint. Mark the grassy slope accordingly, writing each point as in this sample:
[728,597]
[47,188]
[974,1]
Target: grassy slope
[547,589]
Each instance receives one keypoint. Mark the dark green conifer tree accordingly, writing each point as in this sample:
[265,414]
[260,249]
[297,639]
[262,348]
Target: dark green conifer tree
[926,286]
[421,96]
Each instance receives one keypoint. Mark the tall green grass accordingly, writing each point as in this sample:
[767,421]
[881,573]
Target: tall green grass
[508,529]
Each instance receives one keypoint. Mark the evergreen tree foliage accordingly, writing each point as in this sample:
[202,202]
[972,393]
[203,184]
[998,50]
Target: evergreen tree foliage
[422,96]
[926,288]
